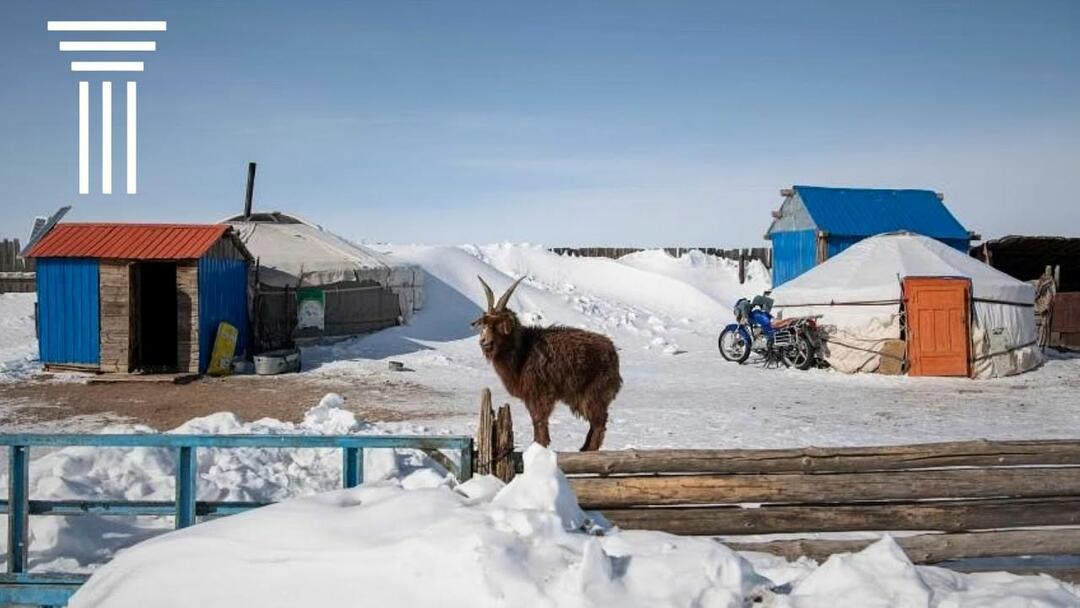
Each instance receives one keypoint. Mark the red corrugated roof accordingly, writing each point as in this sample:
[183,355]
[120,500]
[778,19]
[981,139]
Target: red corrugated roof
[128,241]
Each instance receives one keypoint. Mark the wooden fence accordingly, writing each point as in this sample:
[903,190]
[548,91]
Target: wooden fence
[951,501]
[742,256]
[16,274]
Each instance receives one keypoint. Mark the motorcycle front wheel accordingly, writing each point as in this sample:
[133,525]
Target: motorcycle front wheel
[733,347]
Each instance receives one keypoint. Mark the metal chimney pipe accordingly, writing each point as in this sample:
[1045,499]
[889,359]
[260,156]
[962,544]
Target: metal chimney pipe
[250,190]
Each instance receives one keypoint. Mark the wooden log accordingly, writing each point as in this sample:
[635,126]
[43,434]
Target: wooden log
[944,516]
[932,548]
[1066,573]
[484,434]
[504,444]
[614,492]
[814,459]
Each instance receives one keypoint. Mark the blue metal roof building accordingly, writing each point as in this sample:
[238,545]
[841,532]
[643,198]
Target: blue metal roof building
[139,297]
[815,223]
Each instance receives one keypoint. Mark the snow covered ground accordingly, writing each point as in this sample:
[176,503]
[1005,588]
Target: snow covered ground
[18,347]
[664,314]
[422,542]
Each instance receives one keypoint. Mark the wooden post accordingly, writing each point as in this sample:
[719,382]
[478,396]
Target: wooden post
[504,444]
[742,267]
[484,434]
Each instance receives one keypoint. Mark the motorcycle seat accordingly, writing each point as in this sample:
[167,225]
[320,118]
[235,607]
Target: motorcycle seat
[782,323]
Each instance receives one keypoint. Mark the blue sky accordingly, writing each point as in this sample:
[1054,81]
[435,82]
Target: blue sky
[604,123]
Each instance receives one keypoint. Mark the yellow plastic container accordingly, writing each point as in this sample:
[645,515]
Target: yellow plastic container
[224,350]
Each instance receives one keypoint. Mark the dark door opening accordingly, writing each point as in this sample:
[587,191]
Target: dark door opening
[155,316]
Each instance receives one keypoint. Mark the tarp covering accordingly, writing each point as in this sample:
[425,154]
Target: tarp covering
[301,255]
[858,294]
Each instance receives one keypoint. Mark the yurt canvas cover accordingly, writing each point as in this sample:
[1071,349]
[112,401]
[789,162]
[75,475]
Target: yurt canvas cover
[357,289]
[858,295]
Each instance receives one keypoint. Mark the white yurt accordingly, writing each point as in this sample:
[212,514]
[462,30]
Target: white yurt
[889,296]
[312,284]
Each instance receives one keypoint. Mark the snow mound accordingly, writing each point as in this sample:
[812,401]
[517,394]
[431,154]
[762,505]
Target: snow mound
[384,544]
[542,487]
[649,301]
[239,474]
[18,345]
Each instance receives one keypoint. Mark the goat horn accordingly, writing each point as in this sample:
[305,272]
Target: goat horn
[506,296]
[488,293]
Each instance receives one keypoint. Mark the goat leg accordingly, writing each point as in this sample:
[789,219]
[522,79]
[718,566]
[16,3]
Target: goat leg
[540,431]
[597,428]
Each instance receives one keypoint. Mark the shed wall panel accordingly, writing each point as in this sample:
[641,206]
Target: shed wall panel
[793,254]
[222,297]
[115,303]
[187,321]
[68,311]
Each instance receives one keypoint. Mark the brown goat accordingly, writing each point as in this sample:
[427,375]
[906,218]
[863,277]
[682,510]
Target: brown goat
[544,365]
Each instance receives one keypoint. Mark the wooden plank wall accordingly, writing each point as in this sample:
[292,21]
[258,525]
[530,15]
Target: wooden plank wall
[16,274]
[114,288]
[9,257]
[187,322]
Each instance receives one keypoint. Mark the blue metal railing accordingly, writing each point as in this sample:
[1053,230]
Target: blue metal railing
[20,587]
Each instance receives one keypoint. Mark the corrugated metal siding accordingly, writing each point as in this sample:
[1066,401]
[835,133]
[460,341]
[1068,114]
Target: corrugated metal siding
[222,297]
[68,311]
[793,254]
[866,212]
[129,241]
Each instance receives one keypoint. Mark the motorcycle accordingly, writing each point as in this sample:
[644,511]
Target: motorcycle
[791,342]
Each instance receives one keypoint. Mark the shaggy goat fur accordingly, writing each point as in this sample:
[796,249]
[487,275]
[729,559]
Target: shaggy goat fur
[545,365]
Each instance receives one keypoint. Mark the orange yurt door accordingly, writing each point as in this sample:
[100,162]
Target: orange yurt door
[938,334]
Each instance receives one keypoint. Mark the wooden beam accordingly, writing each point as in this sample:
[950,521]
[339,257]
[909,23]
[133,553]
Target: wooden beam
[945,516]
[836,488]
[503,466]
[484,435]
[932,548]
[815,459]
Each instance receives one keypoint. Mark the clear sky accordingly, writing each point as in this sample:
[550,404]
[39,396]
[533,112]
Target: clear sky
[603,123]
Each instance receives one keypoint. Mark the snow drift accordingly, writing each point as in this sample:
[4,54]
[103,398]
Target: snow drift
[424,543]
[18,346]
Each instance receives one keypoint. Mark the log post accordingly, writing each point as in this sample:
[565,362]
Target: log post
[504,445]
[485,435]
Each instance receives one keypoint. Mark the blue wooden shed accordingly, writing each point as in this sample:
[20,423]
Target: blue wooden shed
[814,223]
[138,297]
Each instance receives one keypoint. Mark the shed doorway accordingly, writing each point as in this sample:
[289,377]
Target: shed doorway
[938,333]
[153,317]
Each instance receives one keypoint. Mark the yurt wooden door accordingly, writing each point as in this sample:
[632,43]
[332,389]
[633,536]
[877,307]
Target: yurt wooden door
[938,335]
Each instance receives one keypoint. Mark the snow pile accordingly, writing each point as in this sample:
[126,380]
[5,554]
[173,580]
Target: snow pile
[649,301]
[714,276]
[383,544]
[18,346]
[240,474]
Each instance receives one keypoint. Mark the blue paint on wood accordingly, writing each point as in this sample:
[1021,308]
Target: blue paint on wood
[68,311]
[352,467]
[187,467]
[793,254]
[18,507]
[466,463]
[36,594]
[438,442]
[222,297]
